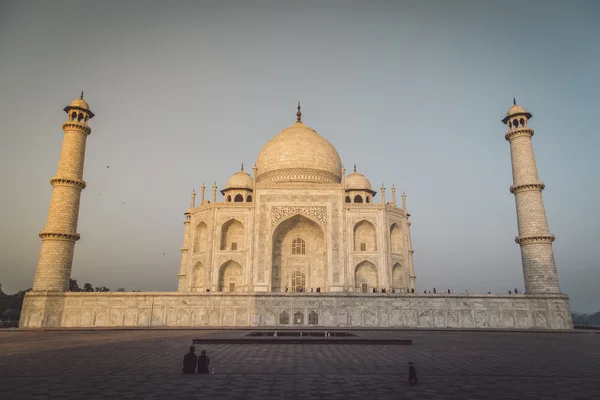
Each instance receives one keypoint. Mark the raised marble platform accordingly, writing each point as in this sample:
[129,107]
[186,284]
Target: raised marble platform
[173,309]
[294,336]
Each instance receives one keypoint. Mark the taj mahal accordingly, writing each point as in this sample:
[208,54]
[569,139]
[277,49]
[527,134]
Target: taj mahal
[298,242]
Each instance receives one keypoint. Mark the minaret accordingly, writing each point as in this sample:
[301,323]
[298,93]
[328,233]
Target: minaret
[539,269]
[411,252]
[185,250]
[60,233]
[393,195]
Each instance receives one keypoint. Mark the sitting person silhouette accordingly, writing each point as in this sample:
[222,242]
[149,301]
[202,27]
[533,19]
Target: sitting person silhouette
[189,361]
[203,362]
[412,374]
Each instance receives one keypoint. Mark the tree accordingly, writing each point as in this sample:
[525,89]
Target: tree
[120,289]
[11,314]
[88,287]
[102,289]
[73,286]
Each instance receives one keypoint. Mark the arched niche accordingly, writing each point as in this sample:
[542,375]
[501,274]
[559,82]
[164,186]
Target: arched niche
[232,235]
[365,236]
[397,276]
[231,278]
[201,238]
[298,233]
[366,277]
[198,277]
[396,238]
[238,198]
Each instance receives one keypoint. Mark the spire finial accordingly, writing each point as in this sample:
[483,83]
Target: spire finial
[299,114]
[354,167]
[514,102]
[81,95]
[242,165]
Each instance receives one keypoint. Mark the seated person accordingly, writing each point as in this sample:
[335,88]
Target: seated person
[203,362]
[189,361]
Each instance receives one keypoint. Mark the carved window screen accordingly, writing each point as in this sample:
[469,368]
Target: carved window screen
[363,247]
[233,246]
[298,246]
[364,288]
[232,287]
[298,281]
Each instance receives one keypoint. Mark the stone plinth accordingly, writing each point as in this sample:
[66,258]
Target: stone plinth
[347,310]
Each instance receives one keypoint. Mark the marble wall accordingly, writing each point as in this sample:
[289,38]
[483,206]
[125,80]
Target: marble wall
[172,309]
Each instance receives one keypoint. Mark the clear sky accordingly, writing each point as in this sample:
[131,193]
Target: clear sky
[411,91]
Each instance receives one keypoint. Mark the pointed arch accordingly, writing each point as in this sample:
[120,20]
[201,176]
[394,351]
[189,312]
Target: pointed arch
[231,277]
[299,250]
[284,318]
[249,199]
[201,238]
[366,274]
[365,236]
[358,198]
[396,238]
[232,231]
[238,198]
[348,200]
[397,276]
[198,278]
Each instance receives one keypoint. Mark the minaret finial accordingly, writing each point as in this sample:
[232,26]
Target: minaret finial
[514,101]
[242,165]
[354,167]
[81,95]
[299,114]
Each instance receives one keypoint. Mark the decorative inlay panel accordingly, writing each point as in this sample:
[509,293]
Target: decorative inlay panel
[279,213]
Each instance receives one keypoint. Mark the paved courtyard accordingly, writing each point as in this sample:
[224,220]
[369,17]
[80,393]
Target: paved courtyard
[147,365]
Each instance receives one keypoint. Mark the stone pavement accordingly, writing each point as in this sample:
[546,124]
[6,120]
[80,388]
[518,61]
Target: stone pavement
[146,364]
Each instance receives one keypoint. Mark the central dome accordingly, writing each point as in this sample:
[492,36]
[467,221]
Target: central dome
[298,154]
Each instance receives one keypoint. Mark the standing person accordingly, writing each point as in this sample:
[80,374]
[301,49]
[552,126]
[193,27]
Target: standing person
[189,361]
[203,363]
[286,289]
[516,292]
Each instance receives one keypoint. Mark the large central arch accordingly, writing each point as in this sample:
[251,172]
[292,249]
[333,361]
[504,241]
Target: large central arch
[299,248]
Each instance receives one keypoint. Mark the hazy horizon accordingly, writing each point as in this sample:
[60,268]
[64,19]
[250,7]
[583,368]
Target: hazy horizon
[411,92]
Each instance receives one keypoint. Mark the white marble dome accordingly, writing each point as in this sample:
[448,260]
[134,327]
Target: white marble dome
[357,181]
[240,180]
[298,154]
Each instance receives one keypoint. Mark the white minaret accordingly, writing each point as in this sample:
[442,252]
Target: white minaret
[539,269]
[60,233]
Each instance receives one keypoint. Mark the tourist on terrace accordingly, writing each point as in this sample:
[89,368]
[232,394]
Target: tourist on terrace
[189,361]
[203,363]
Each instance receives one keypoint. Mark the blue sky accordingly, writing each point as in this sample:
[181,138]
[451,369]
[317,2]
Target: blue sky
[411,92]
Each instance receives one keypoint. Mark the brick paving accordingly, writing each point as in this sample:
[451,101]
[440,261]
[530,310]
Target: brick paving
[451,365]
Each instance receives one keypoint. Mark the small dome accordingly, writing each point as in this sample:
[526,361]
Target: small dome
[516,109]
[357,181]
[81,103]
[299,154]
[240,180]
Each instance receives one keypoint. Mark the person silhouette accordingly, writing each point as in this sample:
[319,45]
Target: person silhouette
[189,361]
[412,374]
[203,363]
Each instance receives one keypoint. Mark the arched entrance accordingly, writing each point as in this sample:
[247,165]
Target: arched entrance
[231,277]
[365,277]
[299,255]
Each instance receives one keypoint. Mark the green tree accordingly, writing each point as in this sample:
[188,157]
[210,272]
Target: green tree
[88,287]
[73,286]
